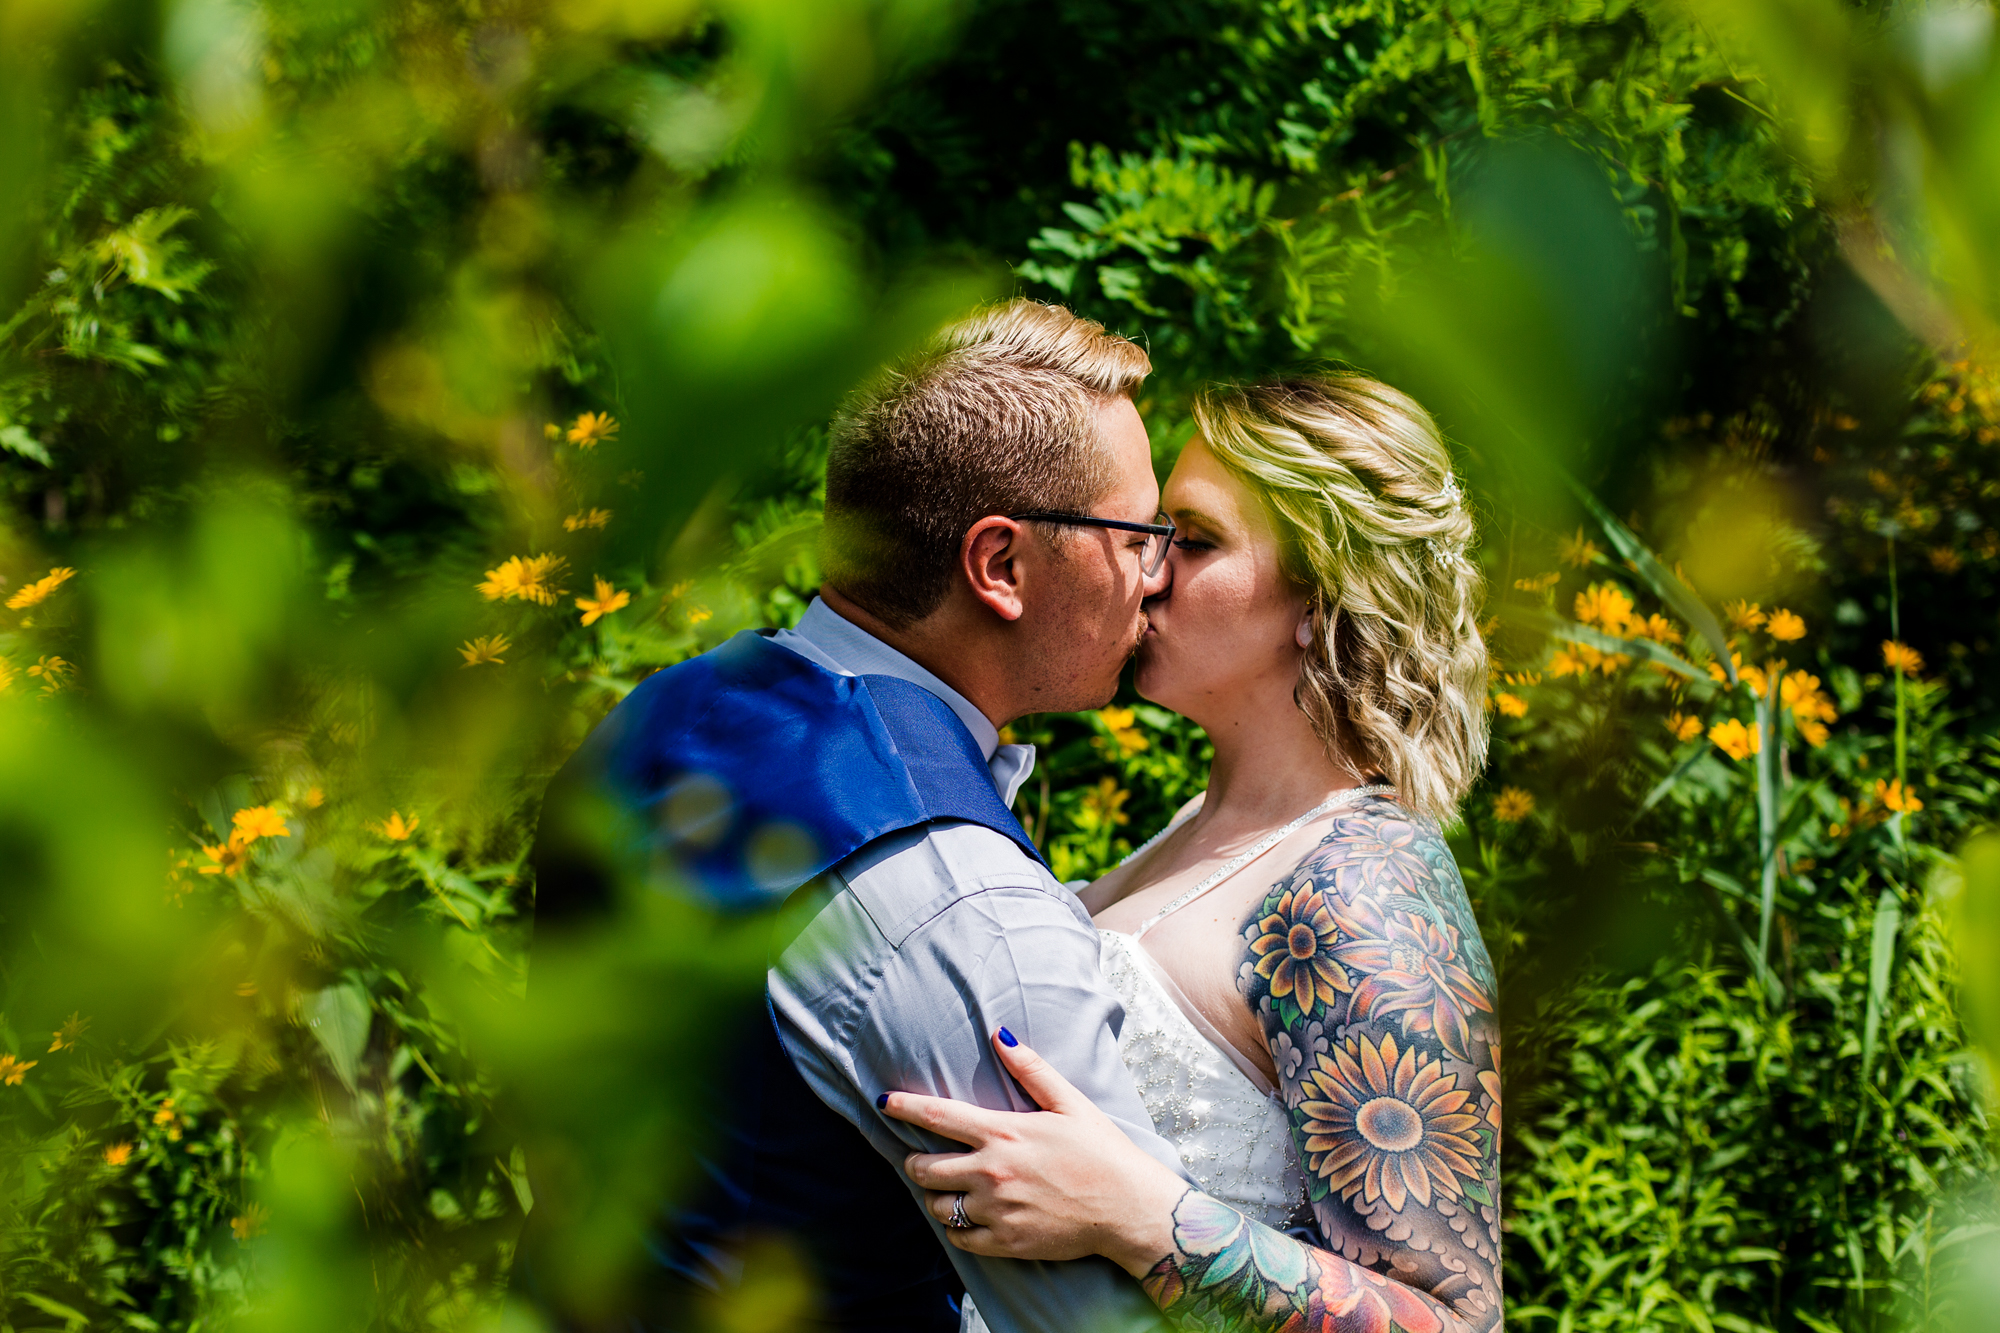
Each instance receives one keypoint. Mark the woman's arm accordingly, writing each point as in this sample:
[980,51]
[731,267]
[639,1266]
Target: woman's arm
[1366,972]
[1065,1182]
[1375,994]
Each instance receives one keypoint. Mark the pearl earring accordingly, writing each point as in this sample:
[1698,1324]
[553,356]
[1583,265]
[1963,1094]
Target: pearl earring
[1304,633]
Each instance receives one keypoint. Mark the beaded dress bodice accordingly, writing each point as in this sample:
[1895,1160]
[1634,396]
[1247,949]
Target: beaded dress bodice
[1207,1100]
[1234,1137]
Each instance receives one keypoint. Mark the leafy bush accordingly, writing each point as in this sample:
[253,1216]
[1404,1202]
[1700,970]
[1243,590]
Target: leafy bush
[385,391]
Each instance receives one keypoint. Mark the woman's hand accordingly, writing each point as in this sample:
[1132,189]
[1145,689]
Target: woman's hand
[1058,1183]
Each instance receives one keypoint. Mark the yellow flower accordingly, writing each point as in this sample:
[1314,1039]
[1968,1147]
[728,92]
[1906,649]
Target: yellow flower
[524,577]
[485,648]
[228,858]
[1815,733]
[1744,614]
[1945,560]
[1684,726]
[1896,796]
[697,614]
[118,1154]
[1902,658]
[258,821]
[591,427]
[1758,678]
[1577,551]
[1540,582]
[1104,805]
[1569,662]
[67,1034]
[1523,678]
[395,828]
[6,673]
[1606,606]
[1120,723]
[589,518]
[1510,705]
[14,1069]
[314,798]
[608,599]
[1734,739]
[1513,805]
[1657,628]
[52,670]
[1801,693]
[251,1223]
[1785,626]
[38,592]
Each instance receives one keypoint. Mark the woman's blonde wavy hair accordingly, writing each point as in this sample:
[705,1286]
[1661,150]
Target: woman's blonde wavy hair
[1372,524]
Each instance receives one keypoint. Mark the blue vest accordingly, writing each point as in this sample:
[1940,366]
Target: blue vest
[741,776]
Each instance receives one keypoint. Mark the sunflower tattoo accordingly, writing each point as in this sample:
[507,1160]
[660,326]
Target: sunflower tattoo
[1293,945]
[1388,1125]
[1366,972]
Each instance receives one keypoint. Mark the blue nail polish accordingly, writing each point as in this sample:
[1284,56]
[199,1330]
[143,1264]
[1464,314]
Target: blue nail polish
[882,1102]
[1007,1038]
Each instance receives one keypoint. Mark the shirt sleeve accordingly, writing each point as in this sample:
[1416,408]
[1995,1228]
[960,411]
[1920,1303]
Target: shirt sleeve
[938,956]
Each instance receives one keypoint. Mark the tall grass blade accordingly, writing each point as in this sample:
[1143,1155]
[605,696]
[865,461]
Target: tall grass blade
[1662,580]
[1671,780]
[1549,623]
[1881,954]
[1769,779]
[1711,881]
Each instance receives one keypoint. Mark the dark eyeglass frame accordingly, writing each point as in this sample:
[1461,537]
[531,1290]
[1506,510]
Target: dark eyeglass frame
[1148,567]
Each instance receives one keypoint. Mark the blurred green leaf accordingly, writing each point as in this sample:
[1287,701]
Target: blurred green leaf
[339,1017]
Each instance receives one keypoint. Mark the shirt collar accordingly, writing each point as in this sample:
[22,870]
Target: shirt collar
[853,651]
[825,636]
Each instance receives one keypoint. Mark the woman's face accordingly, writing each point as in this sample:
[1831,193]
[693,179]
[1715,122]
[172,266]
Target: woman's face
[1222,632]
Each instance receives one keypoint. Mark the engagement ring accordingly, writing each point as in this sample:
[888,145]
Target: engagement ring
[959,1221]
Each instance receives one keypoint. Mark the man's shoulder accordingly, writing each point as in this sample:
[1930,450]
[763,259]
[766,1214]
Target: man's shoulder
[910,878]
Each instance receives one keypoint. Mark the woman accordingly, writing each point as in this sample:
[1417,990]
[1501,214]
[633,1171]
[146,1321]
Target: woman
[1309,1007]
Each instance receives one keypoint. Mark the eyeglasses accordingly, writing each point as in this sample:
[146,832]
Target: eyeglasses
[1159,536]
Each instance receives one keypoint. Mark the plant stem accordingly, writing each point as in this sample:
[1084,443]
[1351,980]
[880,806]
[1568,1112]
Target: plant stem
[1902,712]
[1769,724]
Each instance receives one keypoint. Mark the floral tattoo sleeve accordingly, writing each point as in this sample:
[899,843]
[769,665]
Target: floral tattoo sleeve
[1375,993]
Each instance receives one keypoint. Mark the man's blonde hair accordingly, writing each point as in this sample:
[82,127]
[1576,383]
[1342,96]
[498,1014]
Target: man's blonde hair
[998,415]
[1373,525]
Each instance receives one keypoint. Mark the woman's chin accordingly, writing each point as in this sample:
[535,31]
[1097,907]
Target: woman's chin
[1150,675]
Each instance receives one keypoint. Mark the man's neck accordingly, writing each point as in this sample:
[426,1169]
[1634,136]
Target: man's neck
[953,653]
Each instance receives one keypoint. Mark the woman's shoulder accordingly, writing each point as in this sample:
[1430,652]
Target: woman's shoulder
[1380,860]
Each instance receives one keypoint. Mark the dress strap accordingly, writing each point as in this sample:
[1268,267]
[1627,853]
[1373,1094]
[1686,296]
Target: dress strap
[1264,844]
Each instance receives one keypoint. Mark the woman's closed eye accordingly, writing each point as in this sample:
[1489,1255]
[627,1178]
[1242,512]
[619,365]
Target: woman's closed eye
[1193,544]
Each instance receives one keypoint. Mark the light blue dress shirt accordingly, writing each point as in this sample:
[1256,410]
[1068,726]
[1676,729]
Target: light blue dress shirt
[931,939]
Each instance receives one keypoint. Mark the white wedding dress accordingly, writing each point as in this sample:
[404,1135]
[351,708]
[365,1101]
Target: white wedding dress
[1205,1097]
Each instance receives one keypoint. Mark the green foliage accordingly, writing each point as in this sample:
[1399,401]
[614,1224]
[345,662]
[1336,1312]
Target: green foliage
[344,350]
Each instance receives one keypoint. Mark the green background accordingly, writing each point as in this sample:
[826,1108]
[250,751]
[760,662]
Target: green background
[300,304]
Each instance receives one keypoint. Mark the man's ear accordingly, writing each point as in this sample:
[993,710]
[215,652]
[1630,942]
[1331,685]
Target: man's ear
[990,559]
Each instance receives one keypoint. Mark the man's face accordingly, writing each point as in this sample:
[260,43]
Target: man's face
[1084,610]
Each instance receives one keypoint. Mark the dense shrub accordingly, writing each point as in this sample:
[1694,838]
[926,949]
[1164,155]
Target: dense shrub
[384,391]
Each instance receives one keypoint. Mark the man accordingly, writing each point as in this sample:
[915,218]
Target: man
[990,536]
